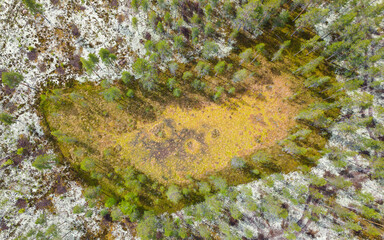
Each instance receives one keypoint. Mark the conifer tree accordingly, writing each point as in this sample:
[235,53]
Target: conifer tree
[174,194]
[112,94]
[6,118]
[44,161]
[178,42]
[246,55]
[259,49]
[210,49]
[219,68]
[239,76]
[278,54]
[202,68]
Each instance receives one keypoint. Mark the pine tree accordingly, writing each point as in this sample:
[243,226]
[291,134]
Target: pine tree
[11,79]
[195,35]
[310,66]
[219,68]
[111,94]
[246,55]
[218,93]
[173,194]
[187,75]
[278,54]
[259,49]
[141,67]
[202,68]
[178,42]
[238,163]
[173,68]
[33,7]
[209,30]
[44,161]
[147,227]
[6,118]
[210,50]
[126,77]
[239,76]
[163,49]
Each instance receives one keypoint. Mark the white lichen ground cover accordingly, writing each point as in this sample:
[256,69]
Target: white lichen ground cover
[23,186]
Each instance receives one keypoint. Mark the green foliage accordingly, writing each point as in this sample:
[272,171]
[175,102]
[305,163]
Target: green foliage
[141,66]
[353,226]
[220,67]
[210,49]
[126,77]
[209,30]
[315,82]
[219,183]
[208,10]
[134,19]
[93,58]
[176,92]
[195,35]
[239,76]
[310,66]
[195,19]
[198,85]
[219,91]
[178,42]
[41,219]
[111,94]
[232,90]
[33,7]
[88,65]
[92,192]
[173,194]
[202,68]
[147,227]
[187,75]
[235,212]
[129,209]
[204,231]
[78,209]
[167,18]
[246,55]
[317,117]
[173,68]
[160,27]
[116,214]
[163,49]
[171,83]
[44,161]
[370,213]
[11,79]
[204,188]
[261,157]
[6,118]
[238,163]
[6,163]
[105,55]
[130,93]
[89,213]
[52,231]
[88,164]
[283,46]
[110,202]
[104,212]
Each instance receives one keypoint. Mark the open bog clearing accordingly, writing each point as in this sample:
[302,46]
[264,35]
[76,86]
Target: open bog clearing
[168,143]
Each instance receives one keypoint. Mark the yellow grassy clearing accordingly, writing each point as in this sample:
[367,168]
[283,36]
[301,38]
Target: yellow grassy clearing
[198,142]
